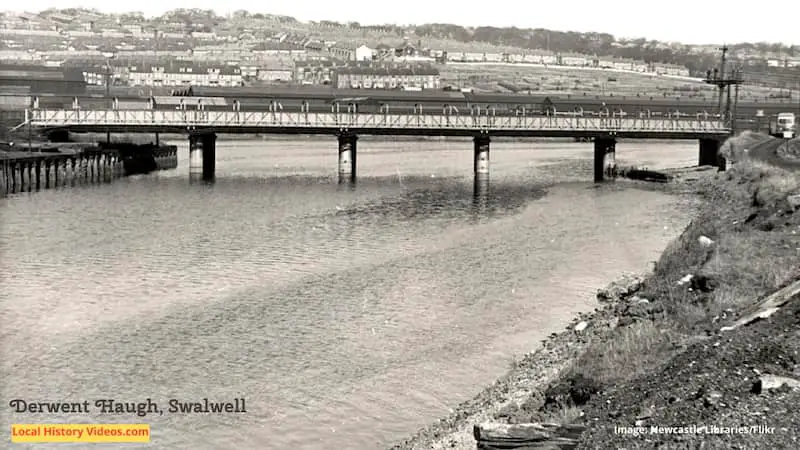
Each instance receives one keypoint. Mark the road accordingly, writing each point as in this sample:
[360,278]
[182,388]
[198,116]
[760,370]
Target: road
[768,153]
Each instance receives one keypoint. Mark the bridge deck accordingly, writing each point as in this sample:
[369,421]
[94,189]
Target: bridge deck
[242,122]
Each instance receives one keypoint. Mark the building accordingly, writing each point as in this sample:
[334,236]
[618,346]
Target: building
[38,79]
[364,53]
[574,60]
[183,74]
[315,71]
[387,77]
[274,74]
[670,69]
[339,52]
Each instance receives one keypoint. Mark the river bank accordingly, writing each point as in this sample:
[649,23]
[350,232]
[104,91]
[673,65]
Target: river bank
[664,330]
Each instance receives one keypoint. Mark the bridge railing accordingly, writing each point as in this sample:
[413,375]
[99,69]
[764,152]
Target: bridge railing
[352,119]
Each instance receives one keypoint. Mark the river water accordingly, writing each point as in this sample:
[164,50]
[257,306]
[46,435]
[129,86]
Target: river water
[347,317]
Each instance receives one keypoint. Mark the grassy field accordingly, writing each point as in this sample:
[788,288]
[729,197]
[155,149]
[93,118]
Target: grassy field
[555,81]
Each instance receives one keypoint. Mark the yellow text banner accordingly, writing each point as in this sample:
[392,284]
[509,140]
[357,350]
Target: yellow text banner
[79,432]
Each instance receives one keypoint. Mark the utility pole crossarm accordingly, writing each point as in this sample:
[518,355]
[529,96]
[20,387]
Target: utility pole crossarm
[718,78]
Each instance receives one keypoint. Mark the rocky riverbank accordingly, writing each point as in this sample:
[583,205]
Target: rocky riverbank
[653,353]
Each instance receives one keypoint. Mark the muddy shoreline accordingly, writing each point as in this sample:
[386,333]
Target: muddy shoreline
[529,377]
[571,378]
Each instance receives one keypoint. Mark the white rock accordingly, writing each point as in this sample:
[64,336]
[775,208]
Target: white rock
[768,382]
[581,326]
[705,241]
[687,278]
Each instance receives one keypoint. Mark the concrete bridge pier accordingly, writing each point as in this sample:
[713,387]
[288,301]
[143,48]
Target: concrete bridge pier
[202,156]
[348,154]
[605,162]
[195,157]
[710,154]
[209,156]
[480,193]
[481,156]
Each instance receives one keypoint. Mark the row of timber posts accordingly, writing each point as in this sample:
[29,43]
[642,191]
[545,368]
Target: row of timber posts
[34,172]
[166,157]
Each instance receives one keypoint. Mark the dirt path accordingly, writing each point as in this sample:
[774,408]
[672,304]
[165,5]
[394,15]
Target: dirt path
[768,152]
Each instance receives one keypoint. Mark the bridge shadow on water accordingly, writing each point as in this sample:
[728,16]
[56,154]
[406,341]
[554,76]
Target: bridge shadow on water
[447,199]
[410,199]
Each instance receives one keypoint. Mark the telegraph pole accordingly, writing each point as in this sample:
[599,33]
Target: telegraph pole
[718,78]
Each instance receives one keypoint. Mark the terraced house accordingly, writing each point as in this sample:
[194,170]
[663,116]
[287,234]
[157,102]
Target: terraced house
[184,74]
[388,77]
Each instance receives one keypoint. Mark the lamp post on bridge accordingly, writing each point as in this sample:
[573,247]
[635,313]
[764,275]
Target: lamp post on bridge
[108,55]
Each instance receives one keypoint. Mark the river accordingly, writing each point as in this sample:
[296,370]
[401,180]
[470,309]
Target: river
[347,317]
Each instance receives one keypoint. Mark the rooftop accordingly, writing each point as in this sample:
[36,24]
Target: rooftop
[389,70]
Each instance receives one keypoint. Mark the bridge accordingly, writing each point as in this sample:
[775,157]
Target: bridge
[202,126]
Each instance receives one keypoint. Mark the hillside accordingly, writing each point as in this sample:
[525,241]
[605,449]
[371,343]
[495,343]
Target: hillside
[456,38]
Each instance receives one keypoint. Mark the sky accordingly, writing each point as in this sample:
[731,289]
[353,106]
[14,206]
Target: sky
[687,21]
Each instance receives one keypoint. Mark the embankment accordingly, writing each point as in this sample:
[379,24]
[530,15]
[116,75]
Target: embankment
[653,354]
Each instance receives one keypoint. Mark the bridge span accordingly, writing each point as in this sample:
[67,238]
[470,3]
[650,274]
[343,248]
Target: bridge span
[202,126]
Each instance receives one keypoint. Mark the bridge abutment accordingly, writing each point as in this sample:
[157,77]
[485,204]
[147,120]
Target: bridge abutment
[710,154]
[605,161]
[347,157]
[481,156]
